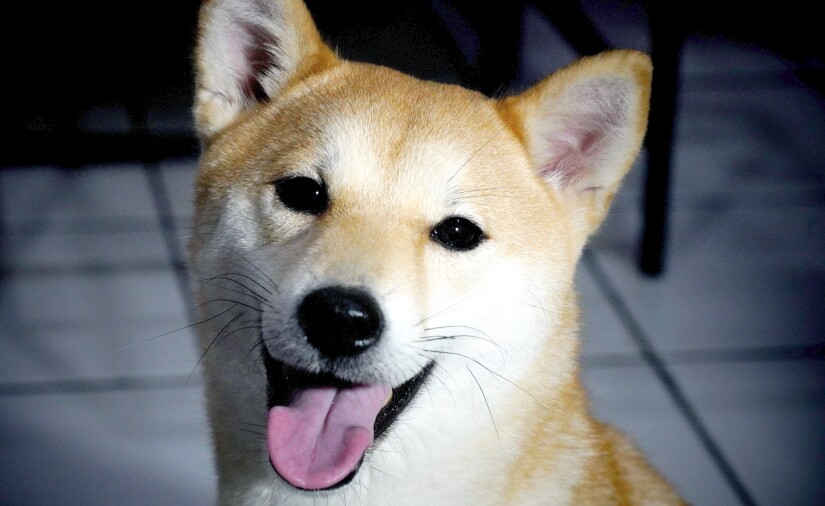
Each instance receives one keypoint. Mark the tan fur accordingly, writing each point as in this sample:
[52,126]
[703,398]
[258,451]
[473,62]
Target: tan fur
[399,155]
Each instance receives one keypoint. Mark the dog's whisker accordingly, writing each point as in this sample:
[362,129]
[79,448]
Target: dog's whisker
[384,450]
[262,374]
[491,372]
[253,322]
[260,434]
[209,347]
[427,339]
[487,196]
[487,189]
[477,151]
[540,307]
[261,301]
[361,488]
[486,338]
[486,192]
[430,395]
[258,345]
[451,306]
[227,276]
[241,329]
[413,370]
[232,301]
[396,288]
[309,269]
[252,264]
[490,411]
[434,339]
[382,472]
[440,380]
[456,327]
[176,330]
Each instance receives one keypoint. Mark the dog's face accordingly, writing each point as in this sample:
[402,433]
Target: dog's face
[360,234]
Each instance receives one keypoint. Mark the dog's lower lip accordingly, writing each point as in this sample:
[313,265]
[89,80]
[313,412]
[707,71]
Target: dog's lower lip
[346,481]
[400,398]
[284,381]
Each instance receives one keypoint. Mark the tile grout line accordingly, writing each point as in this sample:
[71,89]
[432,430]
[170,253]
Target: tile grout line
[745,354]
[96,385]
[163,207]
[167,224]
[655,362]
[82,225]
[82,269]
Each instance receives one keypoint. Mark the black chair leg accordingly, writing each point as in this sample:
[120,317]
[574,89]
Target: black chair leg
[665,48]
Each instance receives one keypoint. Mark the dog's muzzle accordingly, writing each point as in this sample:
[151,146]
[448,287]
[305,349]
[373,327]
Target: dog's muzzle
[320,426]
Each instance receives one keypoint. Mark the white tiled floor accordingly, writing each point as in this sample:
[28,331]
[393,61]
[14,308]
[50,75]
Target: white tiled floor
[111,447]
[769,418]
[102,413]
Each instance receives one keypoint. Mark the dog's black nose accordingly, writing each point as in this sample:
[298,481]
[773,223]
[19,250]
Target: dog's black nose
[340,321]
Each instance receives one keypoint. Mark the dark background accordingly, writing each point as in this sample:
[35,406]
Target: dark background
[67,59]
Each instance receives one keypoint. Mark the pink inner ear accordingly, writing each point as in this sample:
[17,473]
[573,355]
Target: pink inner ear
[251,57]
[573,153]
[581,139]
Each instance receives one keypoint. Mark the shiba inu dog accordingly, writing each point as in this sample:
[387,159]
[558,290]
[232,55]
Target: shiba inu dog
[384,267]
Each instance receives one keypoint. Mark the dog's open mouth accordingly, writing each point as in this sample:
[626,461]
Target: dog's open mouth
[320,427]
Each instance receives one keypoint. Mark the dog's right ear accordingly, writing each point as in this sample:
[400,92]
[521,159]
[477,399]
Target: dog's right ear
[248,51]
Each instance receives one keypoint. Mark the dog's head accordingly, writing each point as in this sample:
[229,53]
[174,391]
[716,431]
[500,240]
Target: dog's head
[359,231]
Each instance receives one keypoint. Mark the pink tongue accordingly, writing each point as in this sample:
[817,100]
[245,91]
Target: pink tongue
[316,441]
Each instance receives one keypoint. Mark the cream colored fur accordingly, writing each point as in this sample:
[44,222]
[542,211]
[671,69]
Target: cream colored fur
[503,419]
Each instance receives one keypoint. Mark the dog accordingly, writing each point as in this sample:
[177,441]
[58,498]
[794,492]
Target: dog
[384,269]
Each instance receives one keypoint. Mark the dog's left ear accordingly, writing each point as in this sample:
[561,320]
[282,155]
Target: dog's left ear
[583,127]
[248,52]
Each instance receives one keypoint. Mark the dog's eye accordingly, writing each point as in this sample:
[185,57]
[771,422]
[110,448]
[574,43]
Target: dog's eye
[302,194]
[457,234]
